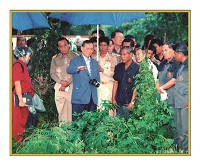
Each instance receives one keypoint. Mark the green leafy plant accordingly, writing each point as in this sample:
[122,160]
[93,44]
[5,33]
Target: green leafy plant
[148,130]
[49,139]
[152,117]
[145,132]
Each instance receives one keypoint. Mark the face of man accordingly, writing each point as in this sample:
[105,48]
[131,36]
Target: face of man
[139,56]
[87,49]
[63,47]
[126,44]
[126,56]
[119,37]
[168,53]
[158,49]
[103,47]
[150,54]
[21,41]
[178,56]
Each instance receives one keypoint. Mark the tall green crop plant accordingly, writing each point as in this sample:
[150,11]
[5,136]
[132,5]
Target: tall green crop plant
[151,117]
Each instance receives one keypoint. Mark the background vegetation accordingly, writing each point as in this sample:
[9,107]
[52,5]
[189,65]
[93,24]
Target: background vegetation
[173,25]
[168,26]
[149,130]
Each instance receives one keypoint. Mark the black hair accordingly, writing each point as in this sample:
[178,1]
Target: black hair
[113,34]
[62,38]
[132,43]
[129,36]
[170,44]
[104,39]
[30,41]
[181,47]
[137,45]
[86,42]
[147,40]
[157,41]
[152,48]
[101,32]
[93,39]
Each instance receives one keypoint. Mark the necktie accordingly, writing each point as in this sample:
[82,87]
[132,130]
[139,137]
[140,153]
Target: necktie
[88,65]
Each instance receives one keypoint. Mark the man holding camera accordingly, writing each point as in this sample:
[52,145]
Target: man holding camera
[86,78]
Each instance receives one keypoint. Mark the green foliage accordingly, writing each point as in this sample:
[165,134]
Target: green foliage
[172,24]
[145,132]
[44,48]
[49,140]
[51,114]
[152,117]
[14,145]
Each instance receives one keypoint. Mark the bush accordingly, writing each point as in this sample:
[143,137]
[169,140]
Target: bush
[147,131]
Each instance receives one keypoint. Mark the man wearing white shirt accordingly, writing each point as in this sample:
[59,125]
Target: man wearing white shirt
[107,63]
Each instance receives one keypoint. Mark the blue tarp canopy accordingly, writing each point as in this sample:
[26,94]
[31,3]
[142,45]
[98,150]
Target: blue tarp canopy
[28,20]
[95,18]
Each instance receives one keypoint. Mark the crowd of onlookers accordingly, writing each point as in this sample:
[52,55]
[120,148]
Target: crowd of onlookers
[106,72]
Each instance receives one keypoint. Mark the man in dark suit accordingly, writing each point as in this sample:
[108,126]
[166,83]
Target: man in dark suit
[85,73]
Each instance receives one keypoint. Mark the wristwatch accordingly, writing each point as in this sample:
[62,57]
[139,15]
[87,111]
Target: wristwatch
[161,88]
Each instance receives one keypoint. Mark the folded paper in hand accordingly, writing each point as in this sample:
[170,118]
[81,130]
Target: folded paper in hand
[164,96]
[27,98]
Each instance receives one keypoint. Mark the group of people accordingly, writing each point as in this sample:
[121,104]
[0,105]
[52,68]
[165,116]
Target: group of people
[84,81]
[171,60]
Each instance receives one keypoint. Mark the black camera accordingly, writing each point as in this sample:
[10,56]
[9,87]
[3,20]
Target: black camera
[94,82]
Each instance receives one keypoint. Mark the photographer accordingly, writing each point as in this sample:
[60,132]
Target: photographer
[85,73]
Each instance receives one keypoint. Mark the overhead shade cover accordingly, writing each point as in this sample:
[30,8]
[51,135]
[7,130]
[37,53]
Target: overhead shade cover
[105,18]
[28,20]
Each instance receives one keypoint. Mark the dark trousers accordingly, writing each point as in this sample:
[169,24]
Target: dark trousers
[79,108]
[181,122]
[123,112]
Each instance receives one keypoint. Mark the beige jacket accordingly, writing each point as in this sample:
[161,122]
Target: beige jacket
[58,67]
[108,63]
